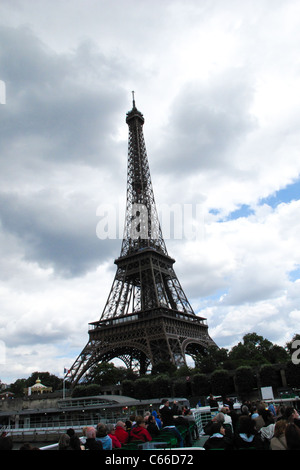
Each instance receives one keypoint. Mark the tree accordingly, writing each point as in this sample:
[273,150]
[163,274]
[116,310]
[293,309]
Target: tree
[142,388]
[212,359]
[183,371]
[290,346]
[293,374]
[128,388]
[268,376]
[200,384]
[87,390]
[162,386]
[278,355]
[105,373]
[256,350]
[221,382]
[18,387]
[180,387]
[79,391]
[245,379]
[164,367]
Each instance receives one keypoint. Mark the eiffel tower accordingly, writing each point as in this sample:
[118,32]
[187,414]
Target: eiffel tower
[147,318]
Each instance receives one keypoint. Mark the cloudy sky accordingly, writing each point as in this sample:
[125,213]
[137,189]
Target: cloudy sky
[218,84]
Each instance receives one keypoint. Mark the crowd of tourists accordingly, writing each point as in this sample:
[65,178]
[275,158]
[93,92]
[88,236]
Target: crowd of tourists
[257,426]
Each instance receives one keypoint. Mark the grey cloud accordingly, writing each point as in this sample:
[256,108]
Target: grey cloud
[27,337]
[207,123]
[58,99]
[60,116]
[62,236]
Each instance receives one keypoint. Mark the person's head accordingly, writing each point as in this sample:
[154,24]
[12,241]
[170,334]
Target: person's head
[110,428]
[280,427]
[217,428]
[219,418]
[281,410]
[120,424]
[245,410]
[292,435]
[291,414]
[64,441]
[90,432]
[71,432]
[165,402]
[101,430]
[246,425]
[150,419]
[140,421]
[261,408]
[267,417]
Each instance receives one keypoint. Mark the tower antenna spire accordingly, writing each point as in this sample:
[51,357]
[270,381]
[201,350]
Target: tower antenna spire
[133,100]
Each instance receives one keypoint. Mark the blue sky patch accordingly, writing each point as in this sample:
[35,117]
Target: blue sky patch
[287,194]
[243,211]
[295,274]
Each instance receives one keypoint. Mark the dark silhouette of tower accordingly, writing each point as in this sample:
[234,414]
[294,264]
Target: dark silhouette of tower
[147,318]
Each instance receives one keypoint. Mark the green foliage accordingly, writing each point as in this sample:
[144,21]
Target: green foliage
[143,388]
[79,391]
[212,359]
[128,388]
[221,382]
[180,387]
[245,379]
[255,351]
[86,390]
[163,367]
[293,374]
[18,387]
[201,384]
[268,376]
[162,386]
[183,371]
[289,345]
[105,373]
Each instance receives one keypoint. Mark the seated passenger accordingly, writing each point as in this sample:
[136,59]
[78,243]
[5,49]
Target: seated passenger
[121,434]
[247,436]
[217,439]
[139,431]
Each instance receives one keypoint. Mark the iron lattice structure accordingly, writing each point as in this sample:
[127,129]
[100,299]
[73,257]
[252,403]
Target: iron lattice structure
[147,318]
